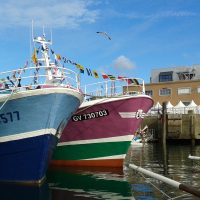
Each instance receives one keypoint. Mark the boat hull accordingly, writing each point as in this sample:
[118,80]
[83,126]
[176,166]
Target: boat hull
[31,123]
[100,134]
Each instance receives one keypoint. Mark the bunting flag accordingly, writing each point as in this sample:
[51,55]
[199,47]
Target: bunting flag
[95,74]
[34,57]
[14,76]
[111,77]
[35,78]
[122,78]
[89,72]
[56,62]
[105,76]
[69,61]
[80,67]
[133,81]
[10,80]
[58,56]
[65,59]
[52,51]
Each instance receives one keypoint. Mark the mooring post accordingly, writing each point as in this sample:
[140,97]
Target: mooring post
[192,126]
[164,122]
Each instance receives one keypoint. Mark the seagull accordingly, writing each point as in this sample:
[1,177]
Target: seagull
[105,34]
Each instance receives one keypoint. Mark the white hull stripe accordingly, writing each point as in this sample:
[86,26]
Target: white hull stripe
[137,115]
[122,156]
[36,92]
[117,98]
[101,140]
[28,135]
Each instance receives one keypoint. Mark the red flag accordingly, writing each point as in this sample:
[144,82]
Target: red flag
[122,77]
[105,76]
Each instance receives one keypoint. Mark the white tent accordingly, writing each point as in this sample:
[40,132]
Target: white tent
[198,110]
[157,106]
[192,106]
[179,108]
[169,107]
[155,109]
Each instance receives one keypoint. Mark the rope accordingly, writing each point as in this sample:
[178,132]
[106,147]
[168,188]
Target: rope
[12,91]
[6,100]
[154,186]
[171,198]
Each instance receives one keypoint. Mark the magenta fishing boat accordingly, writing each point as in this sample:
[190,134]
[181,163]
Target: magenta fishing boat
[100,132]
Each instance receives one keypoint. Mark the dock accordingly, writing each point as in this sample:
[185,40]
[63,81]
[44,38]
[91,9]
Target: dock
[177,126]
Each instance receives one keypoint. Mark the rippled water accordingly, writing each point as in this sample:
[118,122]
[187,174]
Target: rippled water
[111,183]
[172,162]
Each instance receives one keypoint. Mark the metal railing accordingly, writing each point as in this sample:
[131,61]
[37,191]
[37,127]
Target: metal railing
[37,77]
[114,88]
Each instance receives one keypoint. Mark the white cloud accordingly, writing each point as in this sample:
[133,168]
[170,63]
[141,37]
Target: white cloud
[55,13]
[123,63]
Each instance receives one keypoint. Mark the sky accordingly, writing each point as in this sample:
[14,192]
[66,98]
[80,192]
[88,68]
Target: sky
[145,34]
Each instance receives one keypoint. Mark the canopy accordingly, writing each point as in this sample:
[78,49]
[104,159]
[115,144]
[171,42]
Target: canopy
[179,105]
[157,106]
[180,108]
[169,105]
[192,104]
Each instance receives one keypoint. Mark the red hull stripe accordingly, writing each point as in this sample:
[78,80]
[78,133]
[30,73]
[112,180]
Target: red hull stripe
[94,163]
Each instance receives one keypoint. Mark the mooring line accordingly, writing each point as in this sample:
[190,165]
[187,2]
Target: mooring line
[181,186]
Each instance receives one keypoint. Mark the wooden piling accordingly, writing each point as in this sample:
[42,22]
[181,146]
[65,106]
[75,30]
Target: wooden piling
[164,123]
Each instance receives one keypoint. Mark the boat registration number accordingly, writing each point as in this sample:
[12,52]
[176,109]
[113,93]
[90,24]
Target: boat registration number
[91,115]
[9,117]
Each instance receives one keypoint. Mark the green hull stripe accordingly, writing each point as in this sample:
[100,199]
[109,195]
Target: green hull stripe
[86,151]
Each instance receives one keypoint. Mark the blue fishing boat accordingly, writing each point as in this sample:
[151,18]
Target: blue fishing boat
[36,102]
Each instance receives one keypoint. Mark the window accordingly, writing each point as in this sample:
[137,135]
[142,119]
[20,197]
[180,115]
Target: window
[184,91]
[198,90]
[165,76]
[165,92]
[149,92]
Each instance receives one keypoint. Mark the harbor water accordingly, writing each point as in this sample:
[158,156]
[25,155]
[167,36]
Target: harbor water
[112,183]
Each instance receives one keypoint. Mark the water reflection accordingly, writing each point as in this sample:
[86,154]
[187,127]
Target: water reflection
[88,183]
[11,191]
[113,183]
[171,161]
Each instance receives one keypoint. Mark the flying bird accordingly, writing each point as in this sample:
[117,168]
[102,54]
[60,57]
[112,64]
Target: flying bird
[104,34]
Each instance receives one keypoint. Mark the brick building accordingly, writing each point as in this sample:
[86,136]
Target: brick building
[175,84]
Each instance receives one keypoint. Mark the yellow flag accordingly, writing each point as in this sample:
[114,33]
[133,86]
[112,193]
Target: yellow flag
[34,57]
[58,56]
[95,74]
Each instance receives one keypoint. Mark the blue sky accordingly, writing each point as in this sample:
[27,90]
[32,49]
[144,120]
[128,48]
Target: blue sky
[146,34]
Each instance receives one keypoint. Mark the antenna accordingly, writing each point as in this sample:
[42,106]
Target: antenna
[32,30]
[51,37]
[43,33]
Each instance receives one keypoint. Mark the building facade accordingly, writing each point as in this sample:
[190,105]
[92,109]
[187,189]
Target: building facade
[175,84]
